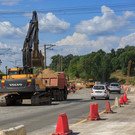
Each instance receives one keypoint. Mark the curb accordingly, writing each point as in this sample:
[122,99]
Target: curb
[19,130]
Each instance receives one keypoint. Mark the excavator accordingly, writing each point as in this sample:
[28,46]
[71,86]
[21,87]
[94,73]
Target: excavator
[21,83]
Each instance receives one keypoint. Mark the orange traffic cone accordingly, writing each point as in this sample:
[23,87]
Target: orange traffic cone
[93,114]
[125,98]
[108,108]
[96,111]
[62,125]
[121,102]
[125,88]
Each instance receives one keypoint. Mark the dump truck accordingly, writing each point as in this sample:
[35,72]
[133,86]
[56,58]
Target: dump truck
[90,83]
[21,83]
[56,83]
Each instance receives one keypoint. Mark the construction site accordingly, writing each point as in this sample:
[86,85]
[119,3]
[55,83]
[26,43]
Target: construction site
[85,85]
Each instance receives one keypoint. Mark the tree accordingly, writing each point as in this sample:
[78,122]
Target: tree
[73,67]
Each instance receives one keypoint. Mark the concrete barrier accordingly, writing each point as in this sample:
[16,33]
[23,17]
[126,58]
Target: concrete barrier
[19,130]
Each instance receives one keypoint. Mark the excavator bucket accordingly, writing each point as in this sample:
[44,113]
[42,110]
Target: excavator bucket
[37,59]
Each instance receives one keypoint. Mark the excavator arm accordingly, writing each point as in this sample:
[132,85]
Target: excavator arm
[32,57]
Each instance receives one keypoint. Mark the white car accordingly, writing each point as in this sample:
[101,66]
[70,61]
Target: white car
[115,87]
[100,91]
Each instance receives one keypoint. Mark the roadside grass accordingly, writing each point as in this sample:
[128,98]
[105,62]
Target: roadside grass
[122,79]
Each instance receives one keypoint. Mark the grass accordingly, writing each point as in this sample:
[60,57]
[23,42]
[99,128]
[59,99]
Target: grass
[123,79]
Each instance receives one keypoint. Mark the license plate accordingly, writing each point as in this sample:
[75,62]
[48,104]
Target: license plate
[98,91]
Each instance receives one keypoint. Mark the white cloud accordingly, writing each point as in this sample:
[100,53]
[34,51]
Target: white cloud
[127,40]
[9,2]
[7,30]
[79,44]
[105,43]
[50,23]
[3,45]
[129,14]
[106,24]
[47,23]
[75,39]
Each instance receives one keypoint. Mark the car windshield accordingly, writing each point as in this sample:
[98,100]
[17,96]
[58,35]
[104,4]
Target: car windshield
[99,87]
[114,84]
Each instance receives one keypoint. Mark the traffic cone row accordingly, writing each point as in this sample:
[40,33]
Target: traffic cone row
[93,115]
[116,103]
[108,108]
[123,99]
[62,123]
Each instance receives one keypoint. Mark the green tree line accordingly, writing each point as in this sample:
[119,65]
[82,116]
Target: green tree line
[98,65]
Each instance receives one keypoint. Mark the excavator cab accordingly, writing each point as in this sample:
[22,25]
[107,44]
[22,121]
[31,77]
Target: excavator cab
[15,71]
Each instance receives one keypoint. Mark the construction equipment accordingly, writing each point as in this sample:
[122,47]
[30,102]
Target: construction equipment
[19,84]
[90,83]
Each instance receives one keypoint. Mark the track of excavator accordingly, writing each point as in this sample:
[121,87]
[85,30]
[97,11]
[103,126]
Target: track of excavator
[8,99]
[41,99]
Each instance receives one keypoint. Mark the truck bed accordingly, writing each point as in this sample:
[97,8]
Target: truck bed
[58,82]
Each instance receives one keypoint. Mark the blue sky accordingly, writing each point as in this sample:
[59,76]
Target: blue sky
[75,26]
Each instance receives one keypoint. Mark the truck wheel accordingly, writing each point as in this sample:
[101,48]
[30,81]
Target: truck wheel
[65,96]
[55,97]
[61,95]
[65,93]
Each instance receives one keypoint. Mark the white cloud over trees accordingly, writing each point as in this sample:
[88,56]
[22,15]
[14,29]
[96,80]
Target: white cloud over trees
[81,43]
[108,23]
[127,40]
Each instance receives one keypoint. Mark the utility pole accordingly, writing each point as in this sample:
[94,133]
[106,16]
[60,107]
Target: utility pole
[129,68]
[47,47]
[61,64]
[44,56]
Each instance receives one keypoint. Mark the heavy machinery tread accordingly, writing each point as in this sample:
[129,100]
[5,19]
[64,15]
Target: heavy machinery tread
[41,99]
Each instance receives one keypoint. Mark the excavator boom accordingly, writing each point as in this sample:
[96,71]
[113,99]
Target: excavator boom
[32,58]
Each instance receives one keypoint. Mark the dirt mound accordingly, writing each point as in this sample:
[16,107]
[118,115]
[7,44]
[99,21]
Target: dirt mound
[47,73]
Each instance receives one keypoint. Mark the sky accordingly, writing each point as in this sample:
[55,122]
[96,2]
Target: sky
[76,27]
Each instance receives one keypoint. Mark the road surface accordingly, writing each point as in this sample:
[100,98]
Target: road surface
[45,117]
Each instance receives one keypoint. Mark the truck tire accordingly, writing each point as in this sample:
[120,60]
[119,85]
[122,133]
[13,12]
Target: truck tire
[65,93]
[62,95]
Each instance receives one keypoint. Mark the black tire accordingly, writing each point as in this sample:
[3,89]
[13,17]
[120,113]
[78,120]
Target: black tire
[65,93]
[93,98]
[107,98]
[62,95]
[119,92]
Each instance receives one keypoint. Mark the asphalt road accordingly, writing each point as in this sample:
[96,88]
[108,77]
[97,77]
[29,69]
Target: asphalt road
[45,117]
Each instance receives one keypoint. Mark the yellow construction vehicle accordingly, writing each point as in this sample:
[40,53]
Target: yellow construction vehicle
[90,83]
[21,83]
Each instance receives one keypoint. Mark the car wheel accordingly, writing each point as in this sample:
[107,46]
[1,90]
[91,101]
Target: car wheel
[92,98]
[107,98]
